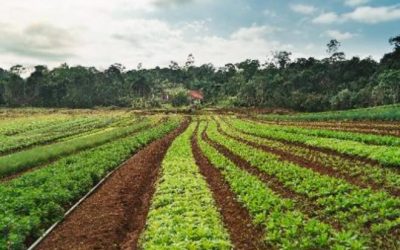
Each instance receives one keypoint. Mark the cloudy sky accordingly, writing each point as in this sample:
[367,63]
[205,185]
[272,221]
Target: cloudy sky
[154,32]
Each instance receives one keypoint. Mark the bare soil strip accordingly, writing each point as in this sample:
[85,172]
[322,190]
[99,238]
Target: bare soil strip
[243,234]
[302,203]
[324,170]
[114,216]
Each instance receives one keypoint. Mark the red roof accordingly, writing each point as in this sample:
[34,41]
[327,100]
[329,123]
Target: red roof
[196,94]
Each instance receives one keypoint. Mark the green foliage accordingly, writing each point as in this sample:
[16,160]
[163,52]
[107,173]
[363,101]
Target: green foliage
[51,132]
[180,99]
[303,84]
[387,177]
[32,202]
[183,214]
[386,155]
[286,227]
[340,201]
[23,160]
[385,113]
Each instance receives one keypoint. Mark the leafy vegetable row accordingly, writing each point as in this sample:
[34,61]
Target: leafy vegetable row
[286,227]
[390,129]
[14,126]
[355,208]
[386,155]
[387,113]
[351,136]
[14,163]
[51,133]
[386,177]
[183,214]
[32,202]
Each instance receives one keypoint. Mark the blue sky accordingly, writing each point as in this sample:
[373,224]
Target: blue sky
[153,32]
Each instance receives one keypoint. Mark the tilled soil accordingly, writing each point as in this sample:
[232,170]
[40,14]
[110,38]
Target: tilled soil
[320,149]
[313,165]
[115,215]
[243,234]
[372,125]
[302,203]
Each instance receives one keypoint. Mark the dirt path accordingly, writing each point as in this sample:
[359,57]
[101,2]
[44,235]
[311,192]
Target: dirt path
[243,234]
[114,216]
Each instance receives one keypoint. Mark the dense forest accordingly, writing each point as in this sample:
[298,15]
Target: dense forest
[303,84]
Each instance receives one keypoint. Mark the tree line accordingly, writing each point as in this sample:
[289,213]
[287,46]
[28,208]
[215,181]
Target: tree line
[303,84]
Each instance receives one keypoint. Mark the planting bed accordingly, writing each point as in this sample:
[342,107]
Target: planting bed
[200,182]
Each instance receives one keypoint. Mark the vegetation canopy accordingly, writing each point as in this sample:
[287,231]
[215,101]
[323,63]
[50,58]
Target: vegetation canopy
[304,84]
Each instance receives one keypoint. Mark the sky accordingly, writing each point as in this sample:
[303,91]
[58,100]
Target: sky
[154,32]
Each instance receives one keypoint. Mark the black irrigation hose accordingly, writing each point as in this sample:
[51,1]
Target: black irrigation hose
[50,229]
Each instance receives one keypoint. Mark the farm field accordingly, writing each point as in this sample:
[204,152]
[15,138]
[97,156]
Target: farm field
[115,179]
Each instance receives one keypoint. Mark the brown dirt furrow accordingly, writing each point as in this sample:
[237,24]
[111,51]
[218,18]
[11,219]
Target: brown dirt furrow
[114,216]
[395,126]
[339,127]
[332,152]
[243,233]
[312,165]
[323,150]
[302,203]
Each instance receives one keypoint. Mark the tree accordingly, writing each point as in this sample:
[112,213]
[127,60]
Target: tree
[392,60]
[395,41]
[282,58]
[17,69]
[248,68]
[388,89]
[333,46]
[343,100]
[174,65]
[180,99]
[189,61]
[333,49]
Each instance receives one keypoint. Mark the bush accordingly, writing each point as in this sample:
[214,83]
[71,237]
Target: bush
[180,99]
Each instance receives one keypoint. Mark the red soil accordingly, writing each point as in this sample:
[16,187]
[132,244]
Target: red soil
[114,216]
[243,234]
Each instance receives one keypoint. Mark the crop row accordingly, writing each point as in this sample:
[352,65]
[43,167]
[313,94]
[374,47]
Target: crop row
[285,227]
[379,129]
[366,211]
[183,214]
[14,163]
[343,124]
[14,126]
[325,133]
[30,203]
[51,133]
[385,178]
[380,113]
[386,155]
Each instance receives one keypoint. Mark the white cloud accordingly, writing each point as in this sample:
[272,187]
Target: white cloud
[253,32]
[326,18]
[336,34]
[353,3]
[303,9]
[367,14]
[363,14]
[38,40]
